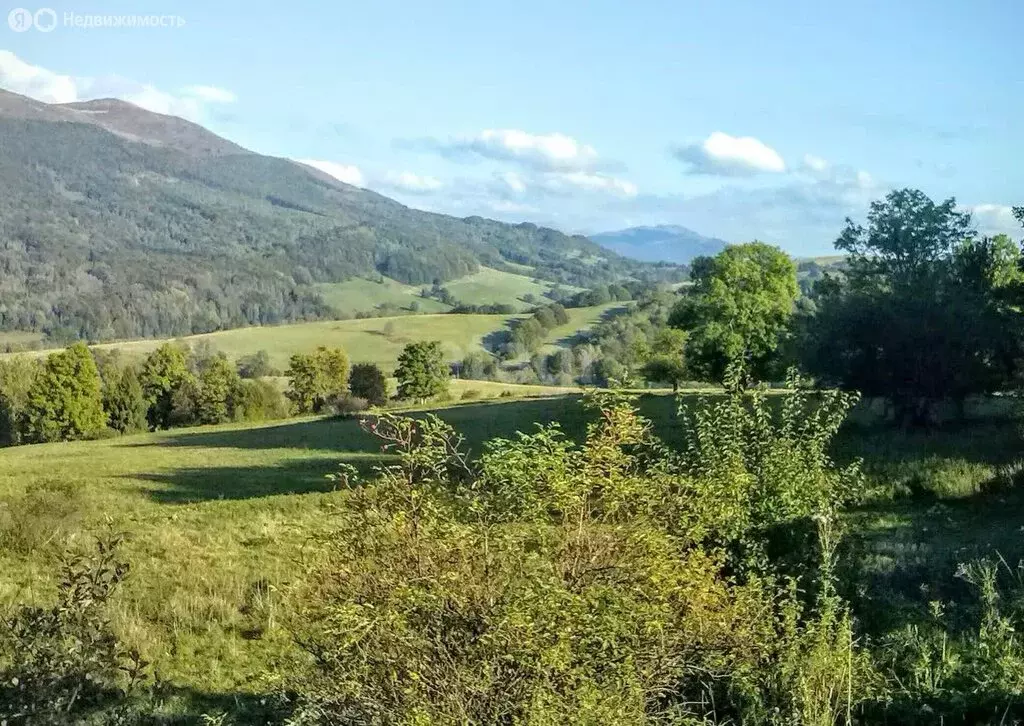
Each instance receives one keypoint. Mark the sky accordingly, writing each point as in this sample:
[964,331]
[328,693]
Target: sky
[758,119]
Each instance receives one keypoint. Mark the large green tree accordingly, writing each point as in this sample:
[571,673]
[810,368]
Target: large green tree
[65,401]
[317,377]
[165,370]
[923,313]
[367,381]
[219,391]
[739,306]
[422,372]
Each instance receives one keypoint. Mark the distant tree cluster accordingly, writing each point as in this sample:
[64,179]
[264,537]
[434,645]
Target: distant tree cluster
[80,393]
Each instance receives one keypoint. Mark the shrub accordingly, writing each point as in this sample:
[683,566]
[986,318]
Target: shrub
[471,393]
[347,406]
[63,661]
[608,581]
[260,400]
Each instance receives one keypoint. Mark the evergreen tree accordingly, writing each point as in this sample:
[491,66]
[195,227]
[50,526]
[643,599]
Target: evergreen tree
[422,372]
[125,402]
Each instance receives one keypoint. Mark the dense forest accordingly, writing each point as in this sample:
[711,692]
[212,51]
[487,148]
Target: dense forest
[104,237]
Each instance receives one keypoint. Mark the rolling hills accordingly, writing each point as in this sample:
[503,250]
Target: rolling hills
[116,222]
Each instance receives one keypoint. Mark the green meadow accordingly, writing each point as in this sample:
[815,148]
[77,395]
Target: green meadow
[223,520]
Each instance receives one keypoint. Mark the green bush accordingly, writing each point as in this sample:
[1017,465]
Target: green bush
[610,581]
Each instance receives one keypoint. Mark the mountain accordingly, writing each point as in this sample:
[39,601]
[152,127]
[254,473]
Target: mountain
[116,222]
[661,243]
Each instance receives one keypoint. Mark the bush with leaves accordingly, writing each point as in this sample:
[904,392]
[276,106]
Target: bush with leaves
[61,663]
[609,581]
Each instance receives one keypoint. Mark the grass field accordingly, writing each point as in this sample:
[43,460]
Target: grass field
[372,340]
[214,512]
[362,295]
[490,286]
[485,287]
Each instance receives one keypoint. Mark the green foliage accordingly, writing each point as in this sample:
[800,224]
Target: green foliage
[258,400]
[666,362]
[925,312]
[368,382]
[65,400]
[256,365]
[16,377]
[60,663]
[422,372]
[316,378]
[164,371]
[557,582]
[125,402]
[219,390]
[739,306]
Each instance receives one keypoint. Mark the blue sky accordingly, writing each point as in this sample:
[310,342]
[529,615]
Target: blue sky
[770,120]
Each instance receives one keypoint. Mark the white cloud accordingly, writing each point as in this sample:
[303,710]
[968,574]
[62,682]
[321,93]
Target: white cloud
[591,182]
[513,181]
[992,219]
[725,155]
[538,152]
[48,86]
[410,182]
[346,173]
[211,94]
[35,82]
[815,163]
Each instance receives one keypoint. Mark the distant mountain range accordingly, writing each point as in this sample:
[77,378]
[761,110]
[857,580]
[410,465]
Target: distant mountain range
[116,222]
[661,243]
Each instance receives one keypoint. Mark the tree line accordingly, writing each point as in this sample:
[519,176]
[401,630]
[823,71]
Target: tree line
[82,393]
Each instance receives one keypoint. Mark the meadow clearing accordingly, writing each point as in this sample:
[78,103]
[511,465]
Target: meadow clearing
[372,340]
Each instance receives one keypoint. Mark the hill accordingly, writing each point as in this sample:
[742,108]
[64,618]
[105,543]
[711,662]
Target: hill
[371,340]
[661,243]
[119,223]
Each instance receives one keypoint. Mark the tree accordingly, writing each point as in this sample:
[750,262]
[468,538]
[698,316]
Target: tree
[317,377]
[165,370]
[667,362]
[422,372]
[368,382]
[219,388]
[923,313]
[125,402]
[740,305]
[65,400]
[16,377]
[256,365]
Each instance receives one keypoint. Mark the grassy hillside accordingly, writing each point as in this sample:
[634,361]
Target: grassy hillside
[370,340]
[362,295]
[489,286]
[221,519]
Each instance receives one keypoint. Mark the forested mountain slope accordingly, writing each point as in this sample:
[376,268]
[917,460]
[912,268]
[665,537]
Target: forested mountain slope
[116,222]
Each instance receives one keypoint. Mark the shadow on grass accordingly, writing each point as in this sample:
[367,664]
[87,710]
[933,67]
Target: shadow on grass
[303,476]
[905,554]
[583,336]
